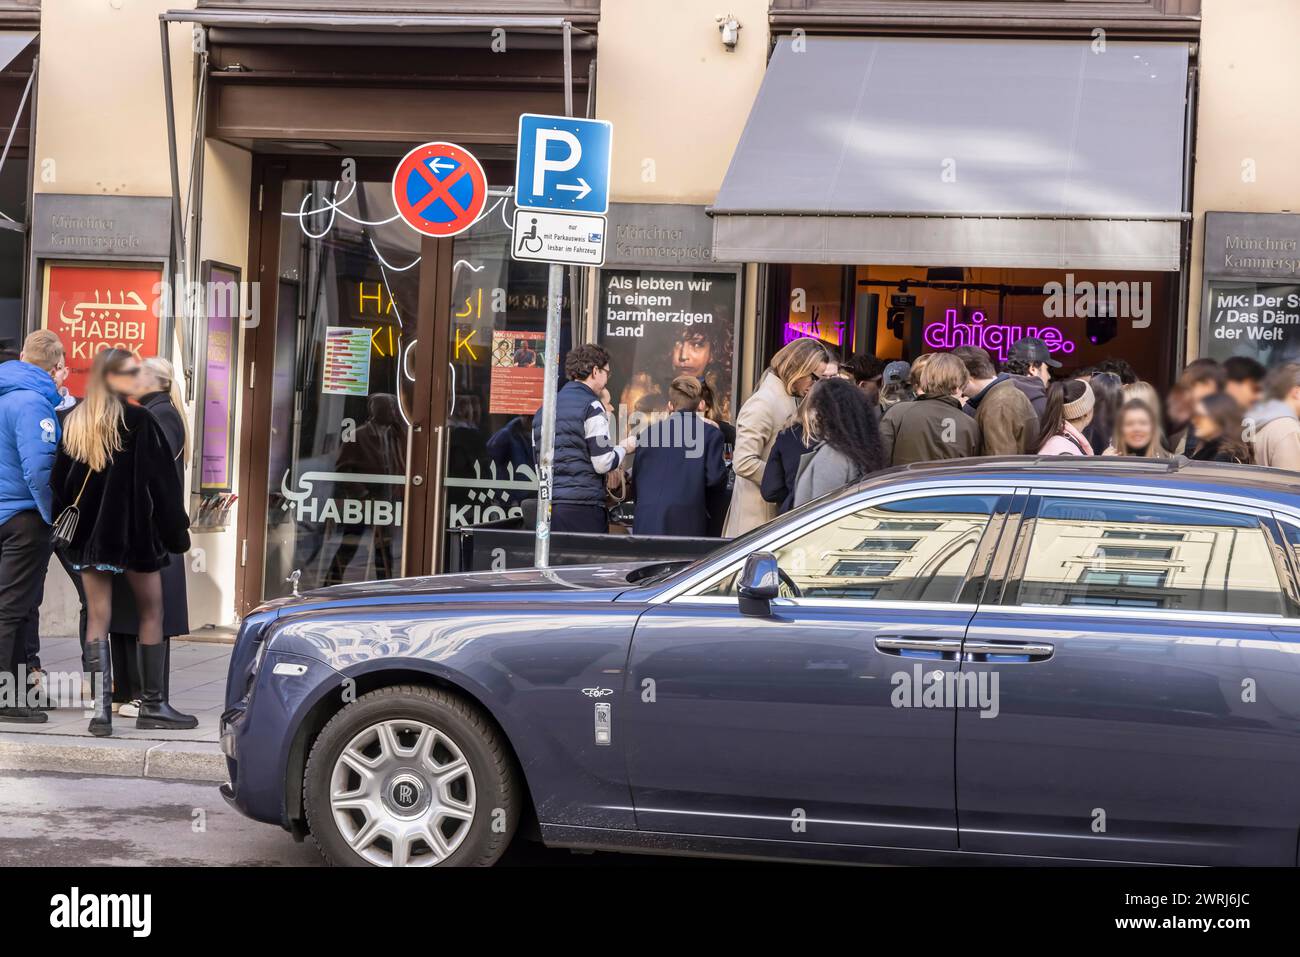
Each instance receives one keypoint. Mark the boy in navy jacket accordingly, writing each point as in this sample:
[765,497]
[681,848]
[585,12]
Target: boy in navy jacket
[678,460]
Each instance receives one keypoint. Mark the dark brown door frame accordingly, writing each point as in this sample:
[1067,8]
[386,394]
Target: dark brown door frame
[421,514]
[422,517]
[258,350]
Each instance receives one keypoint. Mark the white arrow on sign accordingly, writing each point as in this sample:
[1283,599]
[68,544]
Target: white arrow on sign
[582,190]
[437,163]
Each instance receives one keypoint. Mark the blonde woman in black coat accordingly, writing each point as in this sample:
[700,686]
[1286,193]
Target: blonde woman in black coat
[160,393]
[114,465]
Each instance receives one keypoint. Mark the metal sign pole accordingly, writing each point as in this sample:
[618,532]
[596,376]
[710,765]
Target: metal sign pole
[551,361]
[550,364]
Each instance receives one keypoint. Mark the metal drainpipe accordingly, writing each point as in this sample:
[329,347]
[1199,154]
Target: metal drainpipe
[179,271]
[1183,320]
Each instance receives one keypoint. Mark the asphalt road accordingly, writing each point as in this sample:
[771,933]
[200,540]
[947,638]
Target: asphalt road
[72,820]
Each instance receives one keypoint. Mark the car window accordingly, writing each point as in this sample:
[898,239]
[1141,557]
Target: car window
[918,549]
[1137,555]
[1292,533]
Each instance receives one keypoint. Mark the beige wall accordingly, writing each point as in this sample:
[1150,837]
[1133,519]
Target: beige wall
[677,99]
[101,122]
[227,178]
[1247,111]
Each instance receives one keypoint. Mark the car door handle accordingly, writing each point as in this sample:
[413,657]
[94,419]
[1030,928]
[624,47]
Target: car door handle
[1027,649]
[897,644]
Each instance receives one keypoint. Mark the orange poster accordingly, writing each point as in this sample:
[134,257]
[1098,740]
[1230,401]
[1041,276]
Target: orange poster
[517,376]
[93,307]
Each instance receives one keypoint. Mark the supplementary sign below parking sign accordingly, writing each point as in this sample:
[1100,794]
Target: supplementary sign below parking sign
[559,238]
[439,189]
[563,164]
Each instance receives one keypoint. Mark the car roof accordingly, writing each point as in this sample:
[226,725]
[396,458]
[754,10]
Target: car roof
[1272,485]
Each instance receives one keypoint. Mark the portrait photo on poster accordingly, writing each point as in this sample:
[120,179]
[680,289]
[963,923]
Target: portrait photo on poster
[658,324]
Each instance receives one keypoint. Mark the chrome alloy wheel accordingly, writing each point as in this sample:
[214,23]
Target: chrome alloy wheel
[402,794]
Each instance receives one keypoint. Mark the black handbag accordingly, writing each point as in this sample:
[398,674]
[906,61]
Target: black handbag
[65,526]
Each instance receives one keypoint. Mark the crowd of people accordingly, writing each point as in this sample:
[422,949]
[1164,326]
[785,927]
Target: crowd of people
[948,405]
[99,484]
[815,423]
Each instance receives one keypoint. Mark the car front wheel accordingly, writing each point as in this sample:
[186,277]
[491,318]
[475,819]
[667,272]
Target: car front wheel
[409,777]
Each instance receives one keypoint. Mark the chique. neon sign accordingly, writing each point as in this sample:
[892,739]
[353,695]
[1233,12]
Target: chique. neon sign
[996,338]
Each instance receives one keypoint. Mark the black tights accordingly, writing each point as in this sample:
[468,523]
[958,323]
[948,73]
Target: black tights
[147,589]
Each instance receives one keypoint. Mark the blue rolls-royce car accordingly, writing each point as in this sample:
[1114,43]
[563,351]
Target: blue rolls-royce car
[1025,659]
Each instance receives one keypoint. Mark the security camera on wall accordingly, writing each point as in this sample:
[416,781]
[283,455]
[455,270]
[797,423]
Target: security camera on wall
[729,27]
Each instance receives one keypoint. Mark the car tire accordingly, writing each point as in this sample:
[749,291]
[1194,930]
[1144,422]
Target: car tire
[392,777]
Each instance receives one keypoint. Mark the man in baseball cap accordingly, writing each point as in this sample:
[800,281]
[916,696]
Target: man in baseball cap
[894,387]
[1030,366]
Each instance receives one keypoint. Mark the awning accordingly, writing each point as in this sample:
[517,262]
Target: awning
[12,43]
[320,27]
[947,152]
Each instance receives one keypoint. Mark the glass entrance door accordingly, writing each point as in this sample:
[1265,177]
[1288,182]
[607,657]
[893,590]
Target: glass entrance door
[396,383]
[342,386]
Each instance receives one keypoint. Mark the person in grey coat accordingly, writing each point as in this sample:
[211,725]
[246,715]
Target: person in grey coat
[842,420]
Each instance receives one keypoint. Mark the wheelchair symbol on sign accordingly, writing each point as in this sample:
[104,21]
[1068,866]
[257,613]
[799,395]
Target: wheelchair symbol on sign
[530,240]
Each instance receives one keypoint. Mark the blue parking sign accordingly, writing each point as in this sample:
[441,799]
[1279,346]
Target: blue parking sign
[563,164]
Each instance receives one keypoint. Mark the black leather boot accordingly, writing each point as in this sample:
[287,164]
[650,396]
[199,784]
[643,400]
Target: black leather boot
[155,712]
[100,663]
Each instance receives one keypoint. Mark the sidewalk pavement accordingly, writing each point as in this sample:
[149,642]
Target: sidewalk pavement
[198,683]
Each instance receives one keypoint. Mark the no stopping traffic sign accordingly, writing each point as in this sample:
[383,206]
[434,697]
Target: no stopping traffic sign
[439,189]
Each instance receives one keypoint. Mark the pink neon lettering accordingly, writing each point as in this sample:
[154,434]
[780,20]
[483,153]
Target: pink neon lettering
[994,337]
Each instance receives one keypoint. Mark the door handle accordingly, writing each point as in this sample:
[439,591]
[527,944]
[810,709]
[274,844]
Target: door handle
[897,644]
[1027,649]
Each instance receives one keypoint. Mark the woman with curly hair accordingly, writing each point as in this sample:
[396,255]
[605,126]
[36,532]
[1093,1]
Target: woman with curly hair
[842,420]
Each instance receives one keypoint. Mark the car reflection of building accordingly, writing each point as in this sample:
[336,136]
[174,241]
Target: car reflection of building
[1150,566]
[914,556]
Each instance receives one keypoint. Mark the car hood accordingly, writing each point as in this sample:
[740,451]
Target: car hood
[582,582]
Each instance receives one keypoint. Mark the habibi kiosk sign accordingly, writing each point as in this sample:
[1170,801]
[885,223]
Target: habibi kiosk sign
[98,306]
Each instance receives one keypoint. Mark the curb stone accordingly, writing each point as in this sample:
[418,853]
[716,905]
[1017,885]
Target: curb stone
[118,757]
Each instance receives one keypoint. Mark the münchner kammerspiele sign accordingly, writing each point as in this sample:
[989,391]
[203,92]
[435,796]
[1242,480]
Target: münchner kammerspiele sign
[1250,299]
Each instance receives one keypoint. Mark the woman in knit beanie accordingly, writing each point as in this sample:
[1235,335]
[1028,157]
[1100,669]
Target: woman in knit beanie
[1068,412]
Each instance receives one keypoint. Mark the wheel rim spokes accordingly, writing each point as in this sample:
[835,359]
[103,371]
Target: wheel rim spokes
[402,794]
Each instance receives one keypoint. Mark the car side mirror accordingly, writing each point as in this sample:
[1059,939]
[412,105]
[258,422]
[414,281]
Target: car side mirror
[760,582]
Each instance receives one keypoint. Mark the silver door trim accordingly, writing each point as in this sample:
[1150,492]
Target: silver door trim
[1152,614]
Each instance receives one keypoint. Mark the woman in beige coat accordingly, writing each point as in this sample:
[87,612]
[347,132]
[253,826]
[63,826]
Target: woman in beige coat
[787,379]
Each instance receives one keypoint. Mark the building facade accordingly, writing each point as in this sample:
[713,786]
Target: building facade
[890,177]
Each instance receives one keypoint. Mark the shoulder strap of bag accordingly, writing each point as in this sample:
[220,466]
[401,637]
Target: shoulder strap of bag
[84,482]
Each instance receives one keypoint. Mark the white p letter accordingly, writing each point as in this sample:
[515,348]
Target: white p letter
[541,165]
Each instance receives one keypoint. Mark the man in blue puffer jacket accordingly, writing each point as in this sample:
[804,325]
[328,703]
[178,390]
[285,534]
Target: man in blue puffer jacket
[29,438]
[584,451]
